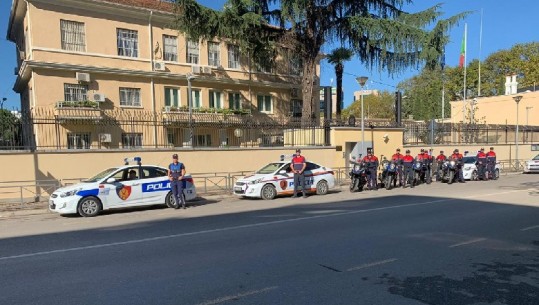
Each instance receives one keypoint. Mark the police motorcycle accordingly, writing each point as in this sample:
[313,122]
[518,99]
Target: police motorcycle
[358,174]
[419,168]
[388,176]
[449,171]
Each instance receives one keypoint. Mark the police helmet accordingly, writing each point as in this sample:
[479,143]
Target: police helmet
[482,149]
[456,150]
[441,151]
[422,150]
[407,151]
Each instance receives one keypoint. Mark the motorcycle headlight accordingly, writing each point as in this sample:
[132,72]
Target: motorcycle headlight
[69,193]
[357,167]
[467,168]
[452,163]
[392,166]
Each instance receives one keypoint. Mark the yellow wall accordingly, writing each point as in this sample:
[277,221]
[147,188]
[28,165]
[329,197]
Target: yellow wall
[500,109]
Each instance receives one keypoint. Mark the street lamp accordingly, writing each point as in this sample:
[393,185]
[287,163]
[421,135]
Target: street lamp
[361,81]
[190,77]
[2,119]
[517,165]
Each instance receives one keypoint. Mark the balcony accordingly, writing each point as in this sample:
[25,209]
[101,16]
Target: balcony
[210,115]
[78,110]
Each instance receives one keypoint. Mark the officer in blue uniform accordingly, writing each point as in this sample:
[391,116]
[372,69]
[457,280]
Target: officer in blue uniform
[176,172]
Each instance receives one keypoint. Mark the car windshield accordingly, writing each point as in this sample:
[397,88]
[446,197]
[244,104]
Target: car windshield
[101,175]
[536,158]
[270,168]
[469,160]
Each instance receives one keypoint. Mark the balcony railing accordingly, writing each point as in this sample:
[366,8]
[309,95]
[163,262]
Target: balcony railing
[84,110]
[181,114]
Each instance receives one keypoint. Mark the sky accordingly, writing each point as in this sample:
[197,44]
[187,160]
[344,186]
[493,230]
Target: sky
[505,23]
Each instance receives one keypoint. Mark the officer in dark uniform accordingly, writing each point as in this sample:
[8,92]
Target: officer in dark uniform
[460,164]
[440,159]
[371,162]
[176,172]
[491,164]
[408,162]
[481,164]
[397,158]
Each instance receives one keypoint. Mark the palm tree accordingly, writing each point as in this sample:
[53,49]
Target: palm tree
[337,57]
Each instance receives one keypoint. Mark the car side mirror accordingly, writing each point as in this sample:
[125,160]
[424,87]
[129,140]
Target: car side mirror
[111,180]
[282,172]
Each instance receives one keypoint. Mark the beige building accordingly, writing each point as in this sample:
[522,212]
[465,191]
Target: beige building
[499,110]
[358,94]
[86,68]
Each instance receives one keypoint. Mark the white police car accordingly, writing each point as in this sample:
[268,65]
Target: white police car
[276,178]
[469,171]
[119,187]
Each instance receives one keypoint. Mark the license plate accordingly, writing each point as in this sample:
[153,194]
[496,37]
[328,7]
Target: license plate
[238,189]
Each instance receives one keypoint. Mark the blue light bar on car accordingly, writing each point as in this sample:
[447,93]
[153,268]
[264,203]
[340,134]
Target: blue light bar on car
[134,159]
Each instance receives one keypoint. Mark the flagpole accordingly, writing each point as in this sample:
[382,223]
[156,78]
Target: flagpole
[480,43]
[464,93]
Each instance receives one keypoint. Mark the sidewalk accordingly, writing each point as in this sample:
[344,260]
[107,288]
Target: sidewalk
[12,210]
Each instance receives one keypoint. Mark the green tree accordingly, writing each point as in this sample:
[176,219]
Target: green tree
[9,130]
[379,32]
[376,106]
[337,58]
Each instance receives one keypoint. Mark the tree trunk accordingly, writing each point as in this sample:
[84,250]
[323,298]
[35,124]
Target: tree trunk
[311,93]
[338,73]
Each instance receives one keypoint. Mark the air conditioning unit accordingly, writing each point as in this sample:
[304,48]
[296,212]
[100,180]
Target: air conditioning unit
[159,66]
[195,69]
[99,97]
[294,92]
[105,137]
[206,70]
[83,77]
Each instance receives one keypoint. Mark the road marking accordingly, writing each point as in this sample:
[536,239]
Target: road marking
[372,264]
[468,242]
[261,224]
[530,228]
[237,296]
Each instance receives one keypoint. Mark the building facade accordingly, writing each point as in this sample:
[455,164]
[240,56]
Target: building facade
[112,74]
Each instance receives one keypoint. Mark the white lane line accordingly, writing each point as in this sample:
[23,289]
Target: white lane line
[372,264]
[261,224]
[237,296]
[476,240]
[530,228]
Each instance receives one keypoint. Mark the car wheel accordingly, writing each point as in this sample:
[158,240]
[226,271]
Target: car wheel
[169,201]
[268,192]
[474,176]
[89,207]
[322,187]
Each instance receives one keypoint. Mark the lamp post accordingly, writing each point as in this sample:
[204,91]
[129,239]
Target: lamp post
[2,120]
[190,77]
[517,165]
[361,81]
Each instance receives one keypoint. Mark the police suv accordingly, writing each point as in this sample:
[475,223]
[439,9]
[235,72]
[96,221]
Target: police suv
[276,178]
[119,187]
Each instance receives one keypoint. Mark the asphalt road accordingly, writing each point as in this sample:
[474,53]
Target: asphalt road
[473,243]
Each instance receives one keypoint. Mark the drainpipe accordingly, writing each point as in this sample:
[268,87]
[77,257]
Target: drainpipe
[152,83]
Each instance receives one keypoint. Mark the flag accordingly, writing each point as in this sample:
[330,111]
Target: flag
[462,58]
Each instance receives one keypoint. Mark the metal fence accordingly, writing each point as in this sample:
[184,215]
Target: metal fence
[94,128]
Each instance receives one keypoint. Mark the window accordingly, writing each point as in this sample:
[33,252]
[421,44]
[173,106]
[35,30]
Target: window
[214,54]
[78,140]
[73,36]
[233,57]
[203,140]
[152,172]
[215,99]
[296,108]
[127,43]
[296,65]
[75,93]
[170,48]
[265,65]
[172,97]
[192,52]
[130,97]
[310,166]
[131,140]
[264,103]
[234,101]
[195,98]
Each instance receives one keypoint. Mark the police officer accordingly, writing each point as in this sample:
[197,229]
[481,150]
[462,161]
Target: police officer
[491,164]
[408,162]
[176,172]
[458,158]
[371,162]
[481,164]
[297,166]
[422,157]
[397,158]
[440,159]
